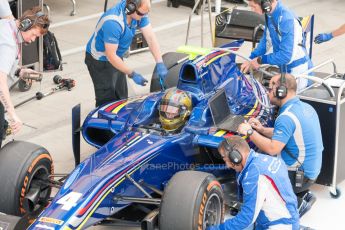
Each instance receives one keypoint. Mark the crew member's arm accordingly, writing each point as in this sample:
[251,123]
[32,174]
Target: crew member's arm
[260,48]
[15,122]
[254,195]
[288,42]
[265,144]
[267,132]
[112,32]
[257,52]
[256,124]
[339,31]
[116,61]
[151,40]
[324,37]
[284,128]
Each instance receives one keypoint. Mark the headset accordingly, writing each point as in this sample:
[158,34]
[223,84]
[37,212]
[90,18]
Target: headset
[26,23]
[282,90]
[132,6]
[233,154]
[266,6]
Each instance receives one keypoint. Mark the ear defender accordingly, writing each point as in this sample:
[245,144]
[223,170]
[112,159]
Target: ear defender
[26,23]
[282,90]
[266,6]
[233,154]
[131,6]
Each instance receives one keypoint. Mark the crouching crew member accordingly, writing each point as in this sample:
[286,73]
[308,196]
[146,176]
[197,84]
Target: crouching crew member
[268,199]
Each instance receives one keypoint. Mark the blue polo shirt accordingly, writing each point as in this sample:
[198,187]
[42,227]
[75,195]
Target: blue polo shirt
[298,127]
[112,28]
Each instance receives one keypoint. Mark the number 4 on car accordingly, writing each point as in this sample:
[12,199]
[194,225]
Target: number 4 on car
[69,201]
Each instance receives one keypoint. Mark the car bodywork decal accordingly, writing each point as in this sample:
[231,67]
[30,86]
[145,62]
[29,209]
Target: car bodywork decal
[90,207]
[51,220]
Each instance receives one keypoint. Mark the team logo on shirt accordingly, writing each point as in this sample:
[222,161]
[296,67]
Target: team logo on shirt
[279,132]
[274,166]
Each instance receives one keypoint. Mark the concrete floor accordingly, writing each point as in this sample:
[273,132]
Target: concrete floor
[52,115]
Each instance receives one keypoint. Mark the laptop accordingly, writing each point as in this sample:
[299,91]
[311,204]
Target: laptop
[222,116]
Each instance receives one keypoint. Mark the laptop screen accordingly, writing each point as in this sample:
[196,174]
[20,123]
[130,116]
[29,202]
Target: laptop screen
[219,107]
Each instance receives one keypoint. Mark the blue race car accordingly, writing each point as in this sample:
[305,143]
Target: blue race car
[156,157]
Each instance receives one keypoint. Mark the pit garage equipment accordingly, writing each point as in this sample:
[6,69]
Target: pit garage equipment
[331,111]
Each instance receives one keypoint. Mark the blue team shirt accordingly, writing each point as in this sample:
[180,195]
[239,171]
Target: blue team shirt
[113,28]
[298,127]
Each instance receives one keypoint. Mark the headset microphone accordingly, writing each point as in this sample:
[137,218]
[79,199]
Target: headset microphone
[266,6]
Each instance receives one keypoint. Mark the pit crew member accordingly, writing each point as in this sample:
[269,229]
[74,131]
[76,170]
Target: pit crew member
[268,199]
[109,43]
[282,43]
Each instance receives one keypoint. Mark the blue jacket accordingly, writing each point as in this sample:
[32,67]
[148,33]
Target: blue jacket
[268,198]
[282,42]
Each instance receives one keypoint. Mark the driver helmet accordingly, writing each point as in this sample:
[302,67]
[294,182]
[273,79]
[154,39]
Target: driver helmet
[174,109]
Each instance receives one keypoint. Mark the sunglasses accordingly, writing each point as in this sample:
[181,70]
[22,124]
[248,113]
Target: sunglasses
[139,13]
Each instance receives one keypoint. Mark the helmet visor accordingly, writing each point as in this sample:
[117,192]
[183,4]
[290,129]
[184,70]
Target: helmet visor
[169,110]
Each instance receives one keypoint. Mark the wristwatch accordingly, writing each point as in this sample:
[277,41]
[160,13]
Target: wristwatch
[250,132]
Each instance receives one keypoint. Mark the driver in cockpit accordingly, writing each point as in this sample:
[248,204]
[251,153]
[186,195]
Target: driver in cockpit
[174,109]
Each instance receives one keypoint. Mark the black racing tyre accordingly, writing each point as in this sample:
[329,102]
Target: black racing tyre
[23,166]
[170,60]
[192,200]
[24,85]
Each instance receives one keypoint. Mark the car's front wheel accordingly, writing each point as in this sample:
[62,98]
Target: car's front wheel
[24,172]
[192,200]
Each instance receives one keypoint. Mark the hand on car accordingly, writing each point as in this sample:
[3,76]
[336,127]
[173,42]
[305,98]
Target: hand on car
[320,38]
[139,79]
[248,64]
